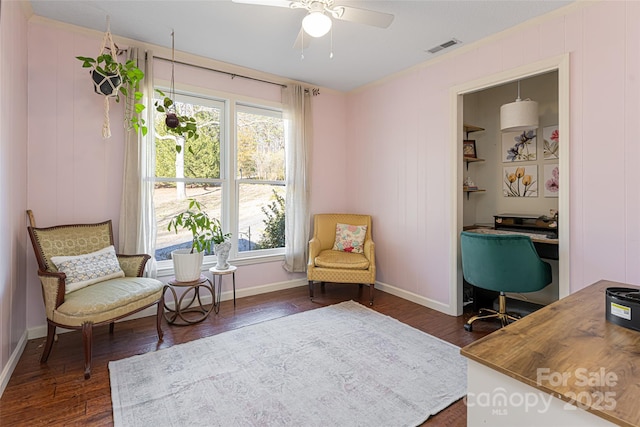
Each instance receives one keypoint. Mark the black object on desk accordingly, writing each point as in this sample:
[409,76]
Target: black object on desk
[622,307]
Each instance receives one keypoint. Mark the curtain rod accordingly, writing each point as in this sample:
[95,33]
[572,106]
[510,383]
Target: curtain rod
[233,75]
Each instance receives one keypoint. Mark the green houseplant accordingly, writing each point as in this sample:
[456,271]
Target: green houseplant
[112,78]
[206,233]
[176,124]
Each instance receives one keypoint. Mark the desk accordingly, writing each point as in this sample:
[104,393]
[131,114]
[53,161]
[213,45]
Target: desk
[563,356]
[547,247]
[178,316]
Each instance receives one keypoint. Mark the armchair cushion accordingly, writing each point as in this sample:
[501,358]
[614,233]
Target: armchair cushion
[342,260]
[106,300]
[350,238]
[87,269]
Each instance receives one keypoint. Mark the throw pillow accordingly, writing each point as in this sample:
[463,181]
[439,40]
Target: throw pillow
[350,238]
[87,269]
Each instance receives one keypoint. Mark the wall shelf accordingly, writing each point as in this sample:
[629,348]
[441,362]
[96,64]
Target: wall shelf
[468,160]
[472,190]
[470,128]
[467,130]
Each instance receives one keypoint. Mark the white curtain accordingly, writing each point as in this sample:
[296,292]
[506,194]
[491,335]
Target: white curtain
[137,230]
[298,122]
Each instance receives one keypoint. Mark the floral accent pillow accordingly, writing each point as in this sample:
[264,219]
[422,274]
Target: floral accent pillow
[350,238]
[87,269]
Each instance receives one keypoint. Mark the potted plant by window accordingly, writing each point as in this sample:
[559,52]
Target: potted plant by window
[206,232]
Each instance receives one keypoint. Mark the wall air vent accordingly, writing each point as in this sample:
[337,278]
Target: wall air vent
[443,46]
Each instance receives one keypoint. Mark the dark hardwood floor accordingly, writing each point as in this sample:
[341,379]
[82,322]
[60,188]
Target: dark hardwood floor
[56,394]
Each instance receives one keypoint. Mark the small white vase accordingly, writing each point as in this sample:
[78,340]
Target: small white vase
[187,266]
[222,254]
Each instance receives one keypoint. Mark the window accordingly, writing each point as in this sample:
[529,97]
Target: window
[242,184]
[260,178]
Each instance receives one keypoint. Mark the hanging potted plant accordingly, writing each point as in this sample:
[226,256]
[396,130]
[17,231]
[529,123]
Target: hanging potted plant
[206,232]
[176,124]
[111,78]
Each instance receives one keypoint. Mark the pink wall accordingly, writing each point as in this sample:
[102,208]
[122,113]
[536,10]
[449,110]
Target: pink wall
[330,167]
[399,130]
[13,177]
[76,176]
[383,149]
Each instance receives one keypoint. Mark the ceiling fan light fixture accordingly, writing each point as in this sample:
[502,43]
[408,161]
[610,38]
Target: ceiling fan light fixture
[316,24]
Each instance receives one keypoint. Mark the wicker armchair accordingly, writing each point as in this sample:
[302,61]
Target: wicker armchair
[327,265]
[99,303]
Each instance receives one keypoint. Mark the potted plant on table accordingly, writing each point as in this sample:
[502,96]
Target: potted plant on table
[206,233]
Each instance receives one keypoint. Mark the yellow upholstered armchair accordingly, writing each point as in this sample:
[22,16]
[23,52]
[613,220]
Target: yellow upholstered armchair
[85,283]
[333,255]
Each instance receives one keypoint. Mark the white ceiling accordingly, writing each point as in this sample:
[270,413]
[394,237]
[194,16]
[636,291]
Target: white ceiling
[262,37]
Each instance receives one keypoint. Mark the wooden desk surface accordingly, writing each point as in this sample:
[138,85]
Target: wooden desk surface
[571,337]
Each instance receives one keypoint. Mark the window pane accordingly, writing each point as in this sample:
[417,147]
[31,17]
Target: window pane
[199,158]
[261,216]
[171,198]
[260,144]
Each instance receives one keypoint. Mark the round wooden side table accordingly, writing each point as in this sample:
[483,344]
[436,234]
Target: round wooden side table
[219,273]
[185,304]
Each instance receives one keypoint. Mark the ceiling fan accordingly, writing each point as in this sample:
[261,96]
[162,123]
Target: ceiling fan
[318,22]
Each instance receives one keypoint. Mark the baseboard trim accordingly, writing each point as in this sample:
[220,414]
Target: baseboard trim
[12,362]
[418,299]
[41,331]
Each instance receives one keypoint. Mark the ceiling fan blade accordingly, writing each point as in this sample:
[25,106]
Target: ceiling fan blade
[365,16]
[302,41]
[278,3]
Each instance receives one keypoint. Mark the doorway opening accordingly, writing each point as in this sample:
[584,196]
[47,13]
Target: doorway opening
[546,81]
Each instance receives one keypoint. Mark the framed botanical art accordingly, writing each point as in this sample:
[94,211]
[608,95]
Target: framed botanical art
[520,181]
[519,146]
[551,141]
[469,149]
[551,183]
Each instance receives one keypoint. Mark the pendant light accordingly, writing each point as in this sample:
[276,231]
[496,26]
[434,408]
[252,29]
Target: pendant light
[520,115]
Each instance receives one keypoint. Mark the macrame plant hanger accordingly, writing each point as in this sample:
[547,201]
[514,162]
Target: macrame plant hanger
[107,86]
[171,119]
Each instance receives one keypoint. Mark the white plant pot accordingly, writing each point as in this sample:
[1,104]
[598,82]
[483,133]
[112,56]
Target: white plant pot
[222,254]
[187,266]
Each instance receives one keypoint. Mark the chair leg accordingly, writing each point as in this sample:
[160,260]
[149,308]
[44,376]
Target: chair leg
[51,334]
[311,289]
[159,315]
[87,338]
[371,288]
[111,327]
[501,314]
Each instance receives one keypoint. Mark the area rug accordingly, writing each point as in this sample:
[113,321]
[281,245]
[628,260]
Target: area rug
[341,365]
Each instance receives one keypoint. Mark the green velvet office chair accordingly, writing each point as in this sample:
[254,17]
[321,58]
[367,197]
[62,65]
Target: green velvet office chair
[502,263]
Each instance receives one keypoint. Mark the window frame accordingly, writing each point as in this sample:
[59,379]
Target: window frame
[253,108]
[228,179]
